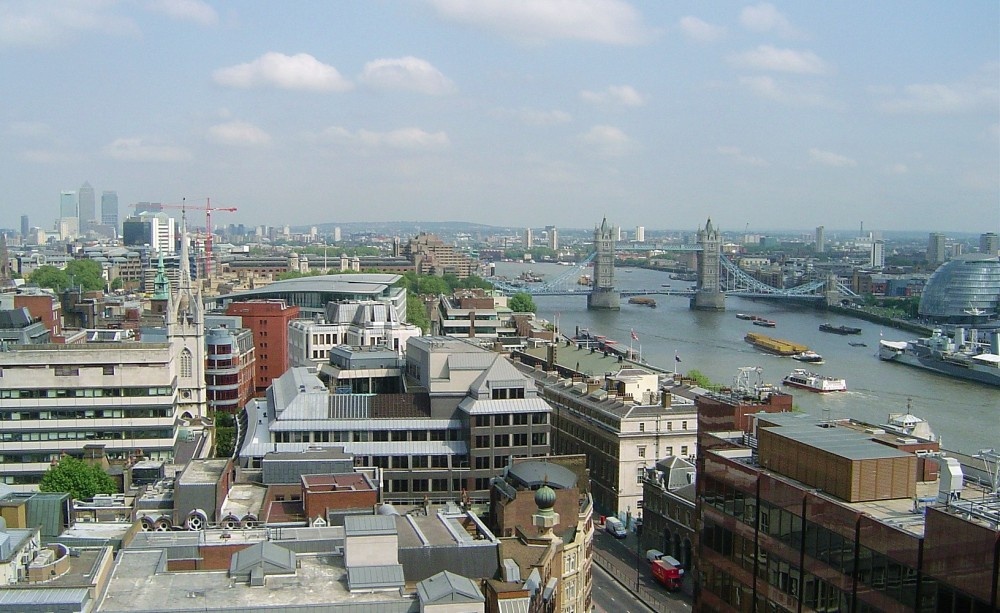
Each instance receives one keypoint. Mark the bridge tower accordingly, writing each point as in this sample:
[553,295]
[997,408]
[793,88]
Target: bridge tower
[708,296]
[603,296]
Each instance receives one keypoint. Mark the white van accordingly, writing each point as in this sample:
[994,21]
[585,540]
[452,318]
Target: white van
[615,527]
[653,554]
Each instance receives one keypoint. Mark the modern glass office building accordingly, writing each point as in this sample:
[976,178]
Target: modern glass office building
[964,290]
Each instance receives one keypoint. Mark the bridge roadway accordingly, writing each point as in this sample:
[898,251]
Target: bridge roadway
[667,292]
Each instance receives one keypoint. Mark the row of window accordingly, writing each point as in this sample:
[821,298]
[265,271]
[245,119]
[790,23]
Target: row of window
[511,419]
[520,439]
[366,436]
[74,413]
[99,392]
[670,426]
[87,435]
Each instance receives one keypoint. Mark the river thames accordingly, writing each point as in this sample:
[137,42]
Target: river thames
[965,415]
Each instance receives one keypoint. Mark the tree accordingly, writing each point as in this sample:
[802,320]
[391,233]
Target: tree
[416,312]
[522,302]
[51,277]
[80,479]
[225,435]
[86,274]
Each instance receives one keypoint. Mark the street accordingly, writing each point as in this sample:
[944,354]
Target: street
[617,560]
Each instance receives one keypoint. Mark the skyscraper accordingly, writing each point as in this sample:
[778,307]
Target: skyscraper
[24,227]
[820,239]
[640,234]
[989,243]
[553,238]
[67,204]
[109,209]
[87,207]
[935,248]
[528,239]
[876,257]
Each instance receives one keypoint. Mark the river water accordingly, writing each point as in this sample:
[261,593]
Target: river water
[965,415]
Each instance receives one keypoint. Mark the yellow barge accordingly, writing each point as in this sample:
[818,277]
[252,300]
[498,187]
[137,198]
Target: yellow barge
[774,345]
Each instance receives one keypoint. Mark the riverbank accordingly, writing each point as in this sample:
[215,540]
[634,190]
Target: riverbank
[900,324]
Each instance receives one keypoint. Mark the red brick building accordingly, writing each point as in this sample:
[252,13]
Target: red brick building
[268,319]
[46,307]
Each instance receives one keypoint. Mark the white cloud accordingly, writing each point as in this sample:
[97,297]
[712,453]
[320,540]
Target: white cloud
[135,150]
[186,10]
[407,139]
[44,24]
[624,95]
[975,92]
[534,117]
[769,88]
[829,158]
[897,169]
[608,140]
[738,155]
[238,133]
[408,74]
[766,57]
[701,31]
[764,17]
[603,21]
[299,72]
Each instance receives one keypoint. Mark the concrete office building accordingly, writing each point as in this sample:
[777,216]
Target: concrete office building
[269,321]
[432,256]
[989,243]
[820,239]
[553,236]
[87,207]
[444,419]
[529,239]
[640,234]
[109,209]
[154,229]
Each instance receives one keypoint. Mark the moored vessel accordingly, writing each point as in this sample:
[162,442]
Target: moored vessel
[828,327]
[774,345]
[963,358]
[813,382]
[808,356]
[766,323]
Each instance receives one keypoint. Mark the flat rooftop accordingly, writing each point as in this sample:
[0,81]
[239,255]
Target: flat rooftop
[203,472]
[320,580]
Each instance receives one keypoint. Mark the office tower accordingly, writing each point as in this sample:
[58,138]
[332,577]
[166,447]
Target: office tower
[336,234]
[67,204]
[820,239]
[109,209]
[553,238]
[876,257]
[989,243]
[935,248]
[87,208]
[24,227]
[640,234]
[154,229]
[528,239]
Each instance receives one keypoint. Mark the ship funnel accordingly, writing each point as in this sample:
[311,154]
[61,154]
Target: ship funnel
[959,337]
[995,343]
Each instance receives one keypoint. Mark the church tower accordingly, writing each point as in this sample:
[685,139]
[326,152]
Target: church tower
[185,320]
[603,296]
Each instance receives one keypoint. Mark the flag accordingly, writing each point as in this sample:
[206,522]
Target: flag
[635,336]
[677,358]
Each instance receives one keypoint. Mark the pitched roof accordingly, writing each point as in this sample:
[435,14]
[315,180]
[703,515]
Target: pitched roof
[448,587]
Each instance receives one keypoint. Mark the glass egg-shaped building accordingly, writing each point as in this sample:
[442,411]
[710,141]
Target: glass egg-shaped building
[963,291]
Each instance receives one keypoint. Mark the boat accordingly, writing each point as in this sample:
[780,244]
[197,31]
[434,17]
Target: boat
[808,356]
[858,344]
[642,300]
[767,323]
[961,358]
[813,382]
[745,316]
[774,345]
[828,327]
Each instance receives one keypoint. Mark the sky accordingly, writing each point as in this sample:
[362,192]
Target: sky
[523,113]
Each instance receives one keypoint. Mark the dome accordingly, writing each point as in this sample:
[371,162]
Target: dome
[545,497]
[963,291]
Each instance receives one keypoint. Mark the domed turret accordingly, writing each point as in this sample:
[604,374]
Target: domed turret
[545,498]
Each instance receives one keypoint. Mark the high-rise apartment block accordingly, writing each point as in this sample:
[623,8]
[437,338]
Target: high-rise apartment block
[820,239]
[989,243]
[936,248]
[25,228]
[876,257]
[432,256]
[553,236]
[640,234]
[528,239]
[109,209]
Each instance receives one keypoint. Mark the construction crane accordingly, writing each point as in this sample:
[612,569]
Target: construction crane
[208,208]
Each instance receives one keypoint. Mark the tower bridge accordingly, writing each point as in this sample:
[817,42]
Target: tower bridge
[718,277]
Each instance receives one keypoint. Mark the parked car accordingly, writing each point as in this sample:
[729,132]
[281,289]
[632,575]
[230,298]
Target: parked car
[615,527]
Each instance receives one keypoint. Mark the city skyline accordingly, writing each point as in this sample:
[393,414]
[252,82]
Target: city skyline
[764,116]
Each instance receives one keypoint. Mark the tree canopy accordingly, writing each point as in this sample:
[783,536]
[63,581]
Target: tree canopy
[86,274]
[416,312]
[51,277]
[80,479]
[522,302]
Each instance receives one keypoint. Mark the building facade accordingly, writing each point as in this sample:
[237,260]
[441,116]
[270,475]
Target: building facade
[230,368]
[269,321]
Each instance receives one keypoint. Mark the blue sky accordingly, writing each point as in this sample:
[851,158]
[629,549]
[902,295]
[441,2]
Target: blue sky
[765,116]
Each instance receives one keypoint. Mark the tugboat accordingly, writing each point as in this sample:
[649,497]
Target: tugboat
[828,327]
[808,356]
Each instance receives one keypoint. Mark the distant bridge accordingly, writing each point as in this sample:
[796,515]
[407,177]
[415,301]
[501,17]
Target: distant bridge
[733,282]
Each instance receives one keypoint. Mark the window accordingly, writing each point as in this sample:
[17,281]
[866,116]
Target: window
[540,438]
[501,440]
[642,427]
[500,461]
[639,474]
[483,462]
[642,452]
[187,363]
[684,450]
[67,371]
[539,418]
[482,420]
[684,425]
[520,440]
[482,442]
[669,451]
[109,370]
[520,419]
[670,426]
